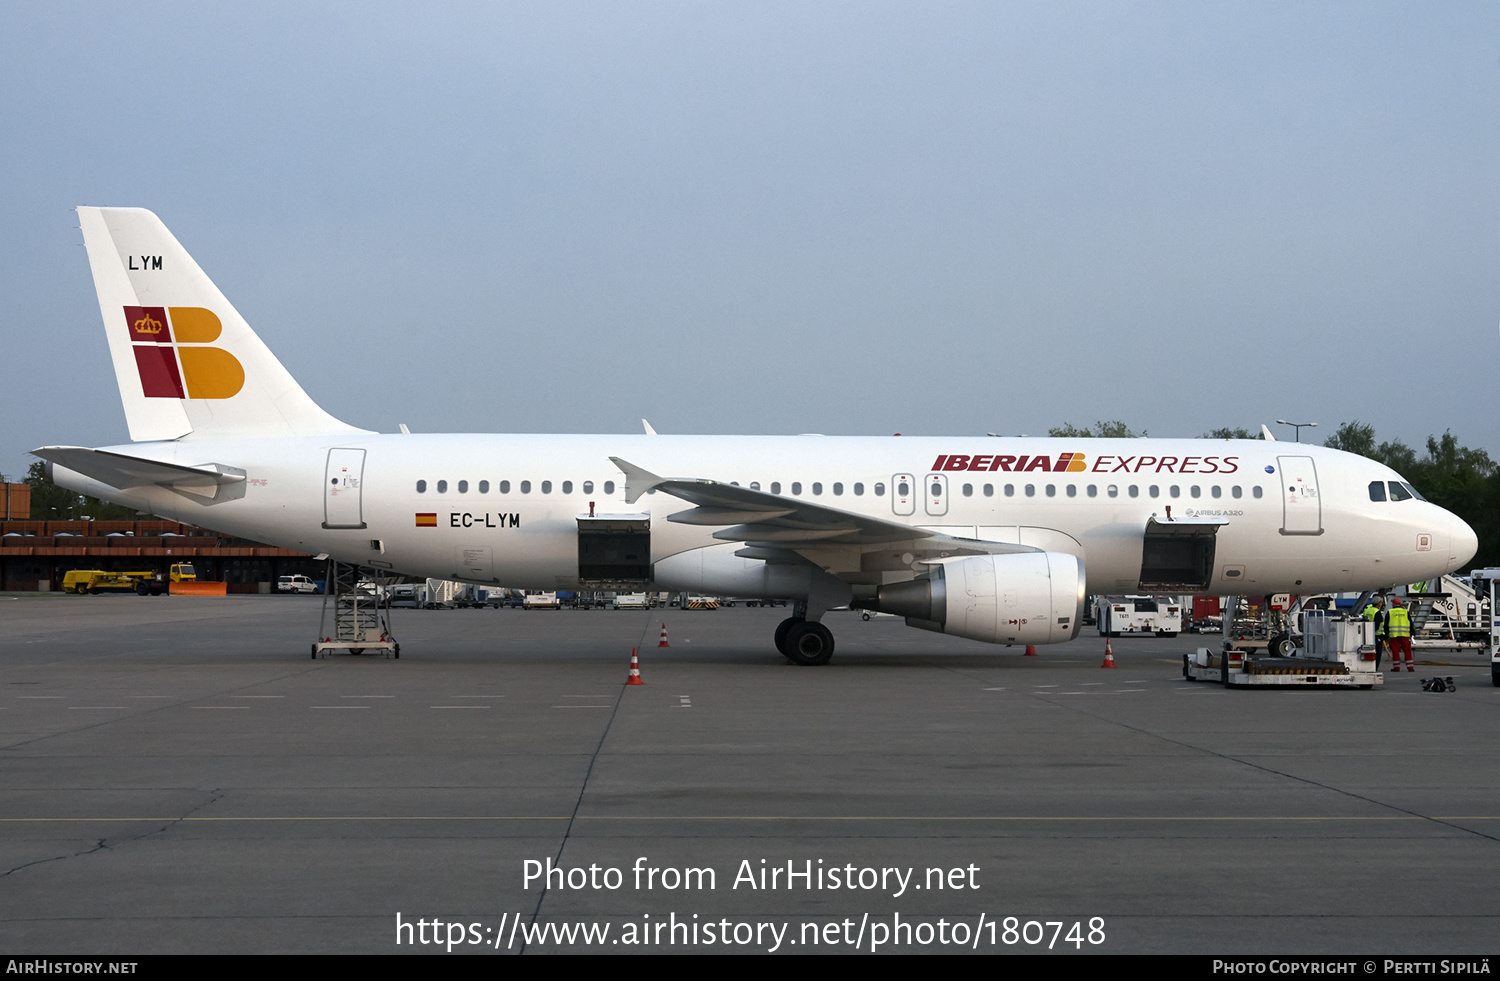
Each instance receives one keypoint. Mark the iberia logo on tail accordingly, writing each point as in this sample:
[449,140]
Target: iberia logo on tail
[173,359]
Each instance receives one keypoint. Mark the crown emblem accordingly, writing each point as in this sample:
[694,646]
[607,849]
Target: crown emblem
[147,325]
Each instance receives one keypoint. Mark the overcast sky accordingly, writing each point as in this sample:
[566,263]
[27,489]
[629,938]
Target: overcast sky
[766,217]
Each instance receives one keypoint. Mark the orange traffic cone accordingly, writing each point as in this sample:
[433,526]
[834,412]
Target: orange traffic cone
[1109,655]
[663,642]
[1030,651]
[635,670]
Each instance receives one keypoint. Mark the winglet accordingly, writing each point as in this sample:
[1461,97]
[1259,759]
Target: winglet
[649,430]
[1266,433]
[637,481]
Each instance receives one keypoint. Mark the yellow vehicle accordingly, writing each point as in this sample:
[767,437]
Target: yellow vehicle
[142,583]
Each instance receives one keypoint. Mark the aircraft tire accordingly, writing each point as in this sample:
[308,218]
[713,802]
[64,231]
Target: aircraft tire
[1279,645]
[809,644]
[782,629]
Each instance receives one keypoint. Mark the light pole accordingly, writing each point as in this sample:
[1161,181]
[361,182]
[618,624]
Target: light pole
[1299,426]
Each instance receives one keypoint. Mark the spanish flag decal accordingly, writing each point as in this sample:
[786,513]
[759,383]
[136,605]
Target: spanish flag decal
[427,519]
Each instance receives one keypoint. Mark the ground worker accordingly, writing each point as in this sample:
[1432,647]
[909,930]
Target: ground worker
[1398,634]
[1375,613]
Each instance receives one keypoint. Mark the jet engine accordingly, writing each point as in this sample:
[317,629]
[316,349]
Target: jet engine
[1021,598]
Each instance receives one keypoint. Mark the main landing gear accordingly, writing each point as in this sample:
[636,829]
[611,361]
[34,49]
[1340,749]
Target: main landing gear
[804,642]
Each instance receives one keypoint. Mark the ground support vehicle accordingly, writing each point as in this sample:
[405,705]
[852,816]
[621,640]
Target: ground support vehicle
[1338,652]
[539,600]
[1119,615]
[296,584]
[1486,584]
[631,601]
[142,583]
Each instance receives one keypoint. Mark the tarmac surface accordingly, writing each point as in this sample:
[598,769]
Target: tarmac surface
[179,776]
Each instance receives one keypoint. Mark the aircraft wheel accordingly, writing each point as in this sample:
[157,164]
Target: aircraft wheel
[356,650]
[1279,645]
[809,644]
[781,631]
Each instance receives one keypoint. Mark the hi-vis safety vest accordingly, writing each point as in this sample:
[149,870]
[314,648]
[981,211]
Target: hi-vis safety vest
[1397,623]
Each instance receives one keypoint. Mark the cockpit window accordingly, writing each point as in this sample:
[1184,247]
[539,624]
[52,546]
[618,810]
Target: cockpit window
[1399,491]
[1414,492]
[1377,490]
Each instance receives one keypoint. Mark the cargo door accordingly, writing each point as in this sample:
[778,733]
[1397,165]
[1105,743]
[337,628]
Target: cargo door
[1301,509]
[614,550]
[343,491]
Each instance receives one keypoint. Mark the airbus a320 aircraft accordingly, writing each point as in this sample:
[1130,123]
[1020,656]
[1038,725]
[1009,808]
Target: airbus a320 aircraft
[994,539]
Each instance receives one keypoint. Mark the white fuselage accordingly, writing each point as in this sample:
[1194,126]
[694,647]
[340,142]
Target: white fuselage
[1295,518]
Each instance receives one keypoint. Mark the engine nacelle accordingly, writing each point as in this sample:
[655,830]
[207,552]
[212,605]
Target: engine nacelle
[1020,598]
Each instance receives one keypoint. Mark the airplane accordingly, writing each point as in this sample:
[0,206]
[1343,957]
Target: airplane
[994,539]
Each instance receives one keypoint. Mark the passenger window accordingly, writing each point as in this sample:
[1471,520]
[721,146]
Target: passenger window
[1235,491]
[879,490]
[422,486]
[859,490]
[546,487]
[567,487]
[796,487]
[1072,490]
[1031,490]
[989,490]
[1175,491]
[1255,491]
[1112,490]
[609,487]
[1093,490]
[588,487]
[1135,491]
[1216,491]
[1377,490]
[463,487]
[775,487]
[903,489]
[755,485]
[968,490]
[817,488]
[838,490]
[1010,490]
[1398,492]
[505,487]
[1155,491]
[1051,490]
[525,487]
[442,487]
[484,487]
[1195,491]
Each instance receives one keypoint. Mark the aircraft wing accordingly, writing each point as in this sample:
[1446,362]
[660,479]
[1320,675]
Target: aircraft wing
[770,524]
[120,471]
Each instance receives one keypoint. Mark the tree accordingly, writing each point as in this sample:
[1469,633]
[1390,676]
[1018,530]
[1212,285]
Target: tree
[1224,432]
[1114,429]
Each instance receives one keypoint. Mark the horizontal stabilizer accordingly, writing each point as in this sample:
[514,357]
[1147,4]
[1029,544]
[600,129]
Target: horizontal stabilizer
[206,480]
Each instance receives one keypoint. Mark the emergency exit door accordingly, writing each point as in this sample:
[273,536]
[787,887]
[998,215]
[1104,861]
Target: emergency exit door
[1301,509]
[343,490]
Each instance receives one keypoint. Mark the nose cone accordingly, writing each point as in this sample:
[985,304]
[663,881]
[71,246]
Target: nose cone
[1463,542]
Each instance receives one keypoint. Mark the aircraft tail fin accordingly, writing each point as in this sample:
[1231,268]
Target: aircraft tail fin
[188,365]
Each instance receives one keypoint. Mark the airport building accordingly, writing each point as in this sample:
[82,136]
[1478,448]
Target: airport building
[35,555]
